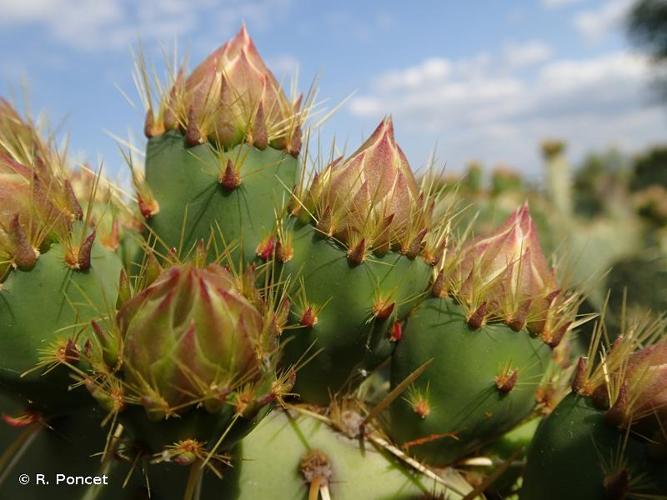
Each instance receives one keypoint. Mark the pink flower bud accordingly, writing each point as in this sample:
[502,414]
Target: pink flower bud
[191,335]
[371,195]
[232,97]
[508,271]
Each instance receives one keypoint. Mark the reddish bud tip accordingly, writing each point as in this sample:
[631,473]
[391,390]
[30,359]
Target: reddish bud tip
[616,415]
[24,420]
[230,178]
[265,248]
[421,408]
[148,206]
[439,288]
[477,318]
[396,332]
[579,380]
[416,245]
[259,133]
[25,256]
[357,254]
[148,124]
[308,318]
[193,136]
[84,254]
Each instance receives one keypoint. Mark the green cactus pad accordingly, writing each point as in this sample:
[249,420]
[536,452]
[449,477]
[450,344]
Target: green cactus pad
[574,449]
[463,408]
[39,307]
[193,205]
[346,336]
[267,464]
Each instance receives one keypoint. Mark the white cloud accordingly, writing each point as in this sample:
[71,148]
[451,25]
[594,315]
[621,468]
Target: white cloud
[597,23]
[518,55]
[284,66]
[497,115]
[112,24]
[554,4]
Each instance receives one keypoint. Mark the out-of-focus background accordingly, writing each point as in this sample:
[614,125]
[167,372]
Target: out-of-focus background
[482,85]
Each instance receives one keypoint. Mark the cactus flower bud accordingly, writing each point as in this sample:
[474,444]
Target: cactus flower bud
[508,273]
[37,204]
[372,195]
[645,380]
[232,97]
[191,337]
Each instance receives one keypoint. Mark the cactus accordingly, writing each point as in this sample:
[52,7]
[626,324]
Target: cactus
[221,154]
[54,275]
[361,247]
[276,330]
[559,177]
[485,337]
[606,439]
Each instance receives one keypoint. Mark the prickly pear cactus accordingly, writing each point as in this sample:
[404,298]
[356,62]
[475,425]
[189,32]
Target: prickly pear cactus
[221,154]
[607,438]
[483,342]
[54,276]
[359,248]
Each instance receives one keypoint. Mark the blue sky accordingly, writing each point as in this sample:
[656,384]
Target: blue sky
[484,79]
